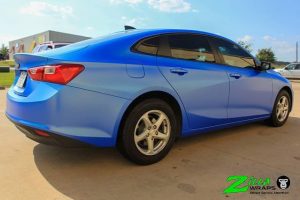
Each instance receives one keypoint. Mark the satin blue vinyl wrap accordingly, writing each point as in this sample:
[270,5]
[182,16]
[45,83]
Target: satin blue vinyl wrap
[90,108]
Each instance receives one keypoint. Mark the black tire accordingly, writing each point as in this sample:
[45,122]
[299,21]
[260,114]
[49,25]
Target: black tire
[126,141]
[274,120]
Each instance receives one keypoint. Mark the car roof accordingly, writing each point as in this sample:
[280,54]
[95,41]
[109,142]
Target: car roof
[150,32]
[128,38]
[138,34]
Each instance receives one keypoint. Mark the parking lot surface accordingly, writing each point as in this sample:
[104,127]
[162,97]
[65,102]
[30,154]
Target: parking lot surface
[196,168]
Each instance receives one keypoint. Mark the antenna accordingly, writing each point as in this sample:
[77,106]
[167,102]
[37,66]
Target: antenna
[129,27]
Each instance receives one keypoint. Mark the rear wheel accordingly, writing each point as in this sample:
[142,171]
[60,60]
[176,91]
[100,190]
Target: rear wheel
[148,132]
[281,109]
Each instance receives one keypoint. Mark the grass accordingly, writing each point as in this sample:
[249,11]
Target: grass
[6,63]
[6,79]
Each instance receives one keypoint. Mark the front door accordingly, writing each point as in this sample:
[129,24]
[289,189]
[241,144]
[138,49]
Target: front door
[189,64]
[250,89]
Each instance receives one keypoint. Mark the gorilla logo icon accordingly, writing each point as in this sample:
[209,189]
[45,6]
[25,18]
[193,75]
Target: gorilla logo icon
[283,182]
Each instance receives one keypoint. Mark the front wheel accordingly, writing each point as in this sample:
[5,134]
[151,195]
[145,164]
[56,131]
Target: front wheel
[148,132]
[281,109]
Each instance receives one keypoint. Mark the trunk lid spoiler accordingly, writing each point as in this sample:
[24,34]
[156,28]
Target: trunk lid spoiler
[25,60]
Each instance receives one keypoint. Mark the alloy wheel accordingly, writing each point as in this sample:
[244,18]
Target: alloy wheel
[152,132]
[282,108]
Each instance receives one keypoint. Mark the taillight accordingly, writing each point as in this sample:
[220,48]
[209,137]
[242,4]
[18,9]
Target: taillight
[61,74]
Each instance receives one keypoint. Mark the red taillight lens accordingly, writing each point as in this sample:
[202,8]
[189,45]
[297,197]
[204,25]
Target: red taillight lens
[61,74]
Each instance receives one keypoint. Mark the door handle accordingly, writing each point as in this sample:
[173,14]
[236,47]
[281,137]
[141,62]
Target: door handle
[235,75]
[179,71]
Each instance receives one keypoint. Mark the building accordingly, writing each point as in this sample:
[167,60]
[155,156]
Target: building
[27,44]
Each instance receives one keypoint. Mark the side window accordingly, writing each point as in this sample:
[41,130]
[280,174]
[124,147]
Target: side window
[234,55]
[297,67]
[148,46]
[290,67]
[191,47]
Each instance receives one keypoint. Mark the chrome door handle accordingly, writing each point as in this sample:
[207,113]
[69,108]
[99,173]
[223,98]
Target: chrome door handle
[179,71]
[235,75]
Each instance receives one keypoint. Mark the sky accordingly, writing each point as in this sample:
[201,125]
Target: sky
[263,23]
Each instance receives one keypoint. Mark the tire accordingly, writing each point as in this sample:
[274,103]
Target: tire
[145,141]
[276,119]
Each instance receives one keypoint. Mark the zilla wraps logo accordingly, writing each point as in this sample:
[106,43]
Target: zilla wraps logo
[257,185]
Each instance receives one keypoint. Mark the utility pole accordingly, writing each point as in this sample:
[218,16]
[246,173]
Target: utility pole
[296,51]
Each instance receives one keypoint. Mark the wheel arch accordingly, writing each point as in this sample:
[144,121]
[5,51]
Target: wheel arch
[289,90]
[168,98]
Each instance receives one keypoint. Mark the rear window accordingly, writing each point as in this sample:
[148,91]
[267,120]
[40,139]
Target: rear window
[148,46]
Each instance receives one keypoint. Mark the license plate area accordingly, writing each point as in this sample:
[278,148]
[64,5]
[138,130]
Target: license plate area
[22,79]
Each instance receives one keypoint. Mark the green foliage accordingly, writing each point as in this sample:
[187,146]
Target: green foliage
[266,55]
[4,51]
[246,46]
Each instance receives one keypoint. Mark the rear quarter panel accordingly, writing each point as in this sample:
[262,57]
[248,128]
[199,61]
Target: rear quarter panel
[129,81]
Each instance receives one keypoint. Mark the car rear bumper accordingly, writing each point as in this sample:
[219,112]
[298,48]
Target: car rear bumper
[67,113]
[48,138]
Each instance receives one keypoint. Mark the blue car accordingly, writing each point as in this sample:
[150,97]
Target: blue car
[141,89]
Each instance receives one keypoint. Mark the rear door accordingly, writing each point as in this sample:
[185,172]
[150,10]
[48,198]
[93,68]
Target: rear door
[189,64]
[251,90]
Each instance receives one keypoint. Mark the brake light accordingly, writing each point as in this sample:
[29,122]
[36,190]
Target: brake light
[60,74]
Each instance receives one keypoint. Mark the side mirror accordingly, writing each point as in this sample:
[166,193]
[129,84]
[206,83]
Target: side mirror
[265,66]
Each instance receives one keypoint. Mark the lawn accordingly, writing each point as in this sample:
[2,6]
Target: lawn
[6,63]
[6,79]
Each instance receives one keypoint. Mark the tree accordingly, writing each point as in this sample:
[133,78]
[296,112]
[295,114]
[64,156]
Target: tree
[4,52]
[266,55]
[245,45]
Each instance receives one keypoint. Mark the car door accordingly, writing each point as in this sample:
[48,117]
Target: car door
[288,71]
[189,64]
[295,72]
[250,89]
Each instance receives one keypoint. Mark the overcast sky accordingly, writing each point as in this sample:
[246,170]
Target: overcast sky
[263,23]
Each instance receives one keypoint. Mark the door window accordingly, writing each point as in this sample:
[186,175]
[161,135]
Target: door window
[233,55]
[297,67]
[290,67]
[191,47]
